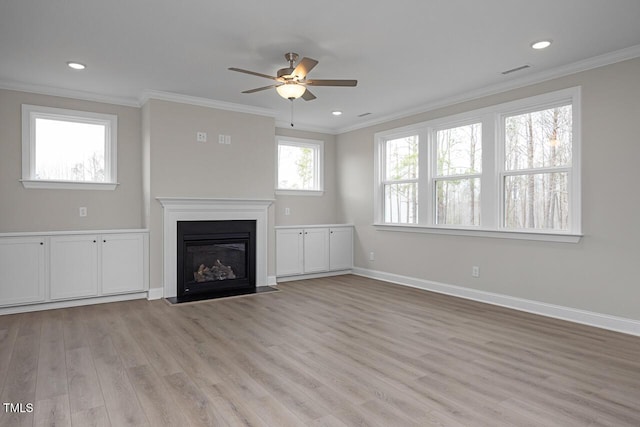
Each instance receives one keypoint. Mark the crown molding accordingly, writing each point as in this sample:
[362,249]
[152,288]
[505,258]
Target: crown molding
[68,93]
[539,77]
[204,102]
[305,127]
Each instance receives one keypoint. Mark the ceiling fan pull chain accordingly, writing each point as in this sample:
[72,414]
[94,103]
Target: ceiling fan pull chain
[291,112]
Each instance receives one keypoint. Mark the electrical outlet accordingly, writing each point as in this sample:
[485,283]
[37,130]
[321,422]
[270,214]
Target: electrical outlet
[227,139]
[287,211]
[475,271]
[372,256]
[82,211]
[221,139]
[201,136]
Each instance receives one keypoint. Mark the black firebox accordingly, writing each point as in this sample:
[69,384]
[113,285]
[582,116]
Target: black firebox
[216,259]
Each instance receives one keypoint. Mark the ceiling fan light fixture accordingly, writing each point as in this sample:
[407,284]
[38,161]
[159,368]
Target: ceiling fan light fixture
[291,90]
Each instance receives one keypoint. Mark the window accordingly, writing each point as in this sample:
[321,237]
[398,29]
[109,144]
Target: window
[299,166]
[537,169]
[68,149]
[510,170]
[457,175]
[400,182]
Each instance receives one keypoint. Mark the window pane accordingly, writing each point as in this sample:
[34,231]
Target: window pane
[459,150]
[401,158]
[538,201]
[458,201]
[401,203]
[296,168]
[69,151]
[539,139]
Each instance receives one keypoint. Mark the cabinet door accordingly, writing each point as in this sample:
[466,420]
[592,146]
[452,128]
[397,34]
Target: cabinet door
[74,266]
[122,263]
[316,250]
[22,270]
[341,248]
[289,252]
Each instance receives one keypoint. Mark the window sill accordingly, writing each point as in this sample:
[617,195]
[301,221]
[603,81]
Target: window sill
[299,192]
[68,185]
[497,234]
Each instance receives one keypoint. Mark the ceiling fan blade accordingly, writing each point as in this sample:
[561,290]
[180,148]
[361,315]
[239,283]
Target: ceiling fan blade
[259,89]
[350,83]
[308,96]
[304,66]
[253,73]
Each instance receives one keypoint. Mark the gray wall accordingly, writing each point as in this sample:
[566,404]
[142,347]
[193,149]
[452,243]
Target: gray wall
[50,210]
[176,165]
[598,274]
[311,209]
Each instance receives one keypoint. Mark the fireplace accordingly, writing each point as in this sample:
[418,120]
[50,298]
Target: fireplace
[215,259]
[179,209]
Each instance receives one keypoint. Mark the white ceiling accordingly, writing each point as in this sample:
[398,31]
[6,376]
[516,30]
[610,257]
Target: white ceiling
[406,54]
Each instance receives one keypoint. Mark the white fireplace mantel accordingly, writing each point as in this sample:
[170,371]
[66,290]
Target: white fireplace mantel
[205,209]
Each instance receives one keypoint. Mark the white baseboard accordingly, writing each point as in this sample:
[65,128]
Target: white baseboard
[598,320]
[155,293]
[282,279]
[271,281]
[71,303]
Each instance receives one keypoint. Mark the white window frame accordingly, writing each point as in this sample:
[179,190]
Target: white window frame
[32,112]
[318,147]
[491,178]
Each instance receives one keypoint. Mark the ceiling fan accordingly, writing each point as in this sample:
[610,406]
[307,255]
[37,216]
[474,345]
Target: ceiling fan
[292,81]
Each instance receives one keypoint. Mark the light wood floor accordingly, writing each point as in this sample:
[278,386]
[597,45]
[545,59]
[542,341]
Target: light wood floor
[341,351]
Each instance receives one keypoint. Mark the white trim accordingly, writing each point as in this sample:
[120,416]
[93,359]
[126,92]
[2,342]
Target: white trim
[531,79]
[72,232]
[68,185]
[318,147]
[206,209]
[68,93]
[155,293]
[491,119]
[204,102]
[271,281]
[476,232]
[299,193]
[285,227]
[282,279]
[71,303]
[598,320]
[30,113]
[280,124]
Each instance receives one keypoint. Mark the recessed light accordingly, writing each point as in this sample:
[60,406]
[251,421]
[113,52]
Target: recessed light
[336,113]
[76,65]
[541,44]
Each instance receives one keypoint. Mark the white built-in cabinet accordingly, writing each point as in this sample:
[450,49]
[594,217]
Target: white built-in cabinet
[57,267]
[74,266]
[22,270]
[314,249]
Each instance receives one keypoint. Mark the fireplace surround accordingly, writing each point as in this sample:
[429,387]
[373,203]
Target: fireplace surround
[176,209]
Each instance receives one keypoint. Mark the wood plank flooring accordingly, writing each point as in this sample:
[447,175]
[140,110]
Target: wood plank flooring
[341,351]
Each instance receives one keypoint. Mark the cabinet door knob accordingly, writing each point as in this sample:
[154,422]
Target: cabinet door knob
[104,241]
[41,243]
[94,241]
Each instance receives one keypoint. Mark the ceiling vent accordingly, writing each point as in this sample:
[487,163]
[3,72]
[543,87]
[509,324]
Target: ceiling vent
[513,70]
[363,114]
